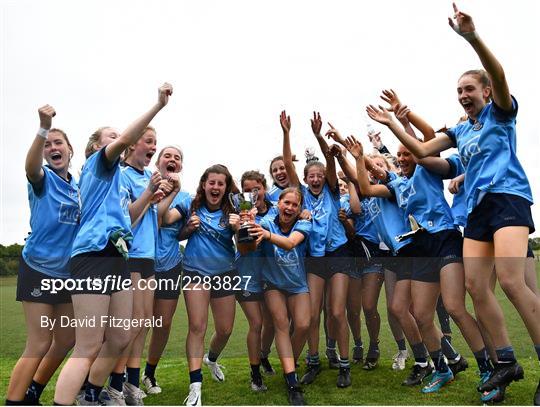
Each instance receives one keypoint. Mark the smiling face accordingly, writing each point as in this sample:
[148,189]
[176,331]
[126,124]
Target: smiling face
[214,189]
[343,189]
[250,185]
[406,161]
[279,174]
[169,160]
[380,162]
[289,206]
[315,178]
[472,94]
[143,150]
[57,151]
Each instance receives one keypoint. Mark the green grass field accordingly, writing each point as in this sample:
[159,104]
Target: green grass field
[378,387]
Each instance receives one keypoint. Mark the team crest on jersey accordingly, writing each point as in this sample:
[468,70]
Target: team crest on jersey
[405,195]
[374,208]
[36,293]
[477,126]
[68,214]
[286,258]
[222,223]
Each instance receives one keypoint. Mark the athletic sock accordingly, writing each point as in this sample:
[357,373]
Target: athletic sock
[195,376]
[92,391]
[505,355]
[15,403]
[117,380]
[314,359]
[150,369]
[438,361]
[448,337]
[330,343]
[264,354]
[420,353]
[401,344]
[373,350]
[212,357]
[444,318]
[537,349]
[34,392]
[133,375]
[256,370]
[448,349]
[291,379]
[358,343]
[344,363]
[482,358]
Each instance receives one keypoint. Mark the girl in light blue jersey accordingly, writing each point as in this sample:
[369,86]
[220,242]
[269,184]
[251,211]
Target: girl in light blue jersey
[168,264]
[54,216]
[251,267]
[210,277]
[498,200]
[330,260]
[286,290]
[98,255]
[143,189]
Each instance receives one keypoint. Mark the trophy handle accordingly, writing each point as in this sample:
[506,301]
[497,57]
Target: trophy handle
[254,196]
[231,200]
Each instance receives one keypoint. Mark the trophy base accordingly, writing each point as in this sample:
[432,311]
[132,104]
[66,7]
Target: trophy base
[244,236]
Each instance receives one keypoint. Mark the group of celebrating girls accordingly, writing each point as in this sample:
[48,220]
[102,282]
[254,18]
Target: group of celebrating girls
[325,246]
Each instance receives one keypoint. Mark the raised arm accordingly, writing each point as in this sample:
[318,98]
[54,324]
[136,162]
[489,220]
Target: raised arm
[285,122]
[135,129]
[152,194]
[164,205]
[34,157]
[432,147]
[463,25]
[331,174]
[354,199]
[366,189]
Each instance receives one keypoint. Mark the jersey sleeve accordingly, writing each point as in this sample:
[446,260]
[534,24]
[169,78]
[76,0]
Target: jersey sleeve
[38,188]
[456,167]
[303,226]
[503,116]
[183,206]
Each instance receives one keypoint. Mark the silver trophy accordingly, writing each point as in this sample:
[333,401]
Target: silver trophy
[242,204]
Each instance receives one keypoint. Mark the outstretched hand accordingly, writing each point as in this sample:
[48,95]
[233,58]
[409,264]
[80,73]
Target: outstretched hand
[333,134]
[336,150]
[316,123]
[354,147]
[285,122]
[390,97]
[46,113]
[401,113]
[461,23]
[382,116]
[375,139]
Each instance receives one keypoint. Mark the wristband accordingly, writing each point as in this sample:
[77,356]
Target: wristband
[470,36]
[43,133]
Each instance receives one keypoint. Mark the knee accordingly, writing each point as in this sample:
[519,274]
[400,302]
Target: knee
[166,325]
[455,309]
[256,326]
[301,327]
[512,287]
[422,320]
[337,314]
[87,350]
[475,289]
[197,328]
[120,341]
[224,331]
[370,310]
[38,347]
[397,310]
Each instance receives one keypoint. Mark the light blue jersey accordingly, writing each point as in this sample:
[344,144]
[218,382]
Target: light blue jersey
[488,152]
[252,266]
[327,233]
[168,254]
[422,196]
[274,193]
[363,224]
[210,248]
[54,220]
[389,219]
[104,204]
[459,201]
[286,269]
[145,231]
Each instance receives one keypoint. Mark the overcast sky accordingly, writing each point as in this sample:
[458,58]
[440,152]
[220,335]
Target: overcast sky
[235,65]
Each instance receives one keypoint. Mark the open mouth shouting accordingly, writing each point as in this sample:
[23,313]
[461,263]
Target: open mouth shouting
[171,166]
[56,158]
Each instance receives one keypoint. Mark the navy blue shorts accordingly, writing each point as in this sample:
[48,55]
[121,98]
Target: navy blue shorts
[249,296]
[433,251]
[30,287]
[106,266]
[402,263]
[340,260]
[145,267]
[169,283]
[221,285]
[496,211]
[267,286]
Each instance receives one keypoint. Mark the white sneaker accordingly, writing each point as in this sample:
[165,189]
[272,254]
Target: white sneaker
[398,362]
[194,396]
[215,369]
[151,385]
[133,395]
[109,396]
